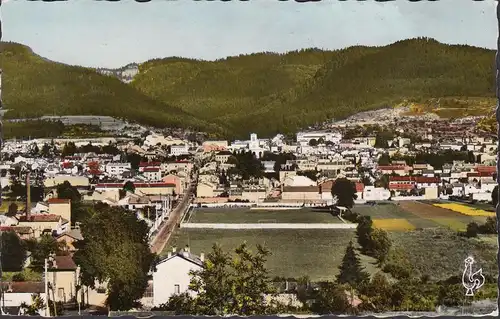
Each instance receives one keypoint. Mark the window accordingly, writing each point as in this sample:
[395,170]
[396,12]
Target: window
[177,289]
[60,293]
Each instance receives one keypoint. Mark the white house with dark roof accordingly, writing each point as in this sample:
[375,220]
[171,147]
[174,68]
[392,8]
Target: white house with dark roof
[172,274]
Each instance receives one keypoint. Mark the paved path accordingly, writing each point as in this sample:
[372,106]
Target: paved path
[174,218]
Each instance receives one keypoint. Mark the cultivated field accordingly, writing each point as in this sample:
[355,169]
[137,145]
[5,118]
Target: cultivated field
[440,216]
[246,215]
[295,253]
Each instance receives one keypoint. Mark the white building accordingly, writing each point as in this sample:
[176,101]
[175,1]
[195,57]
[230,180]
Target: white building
[372,193]
[303,138]
[177,150]
[172,275]
[117,169]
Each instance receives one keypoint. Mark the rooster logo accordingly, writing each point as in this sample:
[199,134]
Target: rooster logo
[472,281]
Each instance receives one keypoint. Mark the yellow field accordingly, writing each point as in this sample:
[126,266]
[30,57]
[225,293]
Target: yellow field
[466,210]
[393,224]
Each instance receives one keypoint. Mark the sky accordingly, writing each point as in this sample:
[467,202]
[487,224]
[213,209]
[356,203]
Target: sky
[113,34]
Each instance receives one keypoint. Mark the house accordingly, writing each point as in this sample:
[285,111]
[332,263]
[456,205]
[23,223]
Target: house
[172,274]
[176,180]
[69,237]
[20,292]
[44,223]
[397,169]
[325,189]
[143,165]
[117,169]
[301,193]
[24,233]
[178,150]
[62,275]
[205,189]
[212,146]
[152,173]
[60,207]
[222,156]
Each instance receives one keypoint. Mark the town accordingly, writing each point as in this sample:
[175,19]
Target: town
[191,194]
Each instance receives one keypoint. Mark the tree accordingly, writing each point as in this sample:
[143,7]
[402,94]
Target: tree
[380,244]
[313,142]
[345,192]
[114,236]
[331,298]
[12,210]
[34,308]
[494,196]
[351,271]
[42,248]
[229,286]
[180,304]
[129,187]
[13,252]
[379,292]
[68,191]
[69,149]
[384,159]
[472,229]
[490,226]
[364,232]
[46,151]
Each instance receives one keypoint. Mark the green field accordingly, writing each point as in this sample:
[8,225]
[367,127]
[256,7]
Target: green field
[295,253]
[318,253]
[246,215]
[441,253]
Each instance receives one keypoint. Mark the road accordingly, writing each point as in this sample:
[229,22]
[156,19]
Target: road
[174,218]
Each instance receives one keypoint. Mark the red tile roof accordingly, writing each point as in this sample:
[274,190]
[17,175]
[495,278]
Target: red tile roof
[24,287]
[64,263]
[59,201]
[391,168]
[327,186]
[149,164]
[489,169]
[417,179]
[401,186]
[67,165]
[40,218]
[151,169]
[137,185]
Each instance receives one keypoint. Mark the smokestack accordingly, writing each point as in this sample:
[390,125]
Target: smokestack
[28,196]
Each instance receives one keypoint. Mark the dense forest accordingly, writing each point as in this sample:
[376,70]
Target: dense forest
[264,93]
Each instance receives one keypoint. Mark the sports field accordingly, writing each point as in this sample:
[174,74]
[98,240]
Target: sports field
[246,215]
[295,252]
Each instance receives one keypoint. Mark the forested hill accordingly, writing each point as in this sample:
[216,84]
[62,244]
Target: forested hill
[34,86]
[264,93]
[269,93]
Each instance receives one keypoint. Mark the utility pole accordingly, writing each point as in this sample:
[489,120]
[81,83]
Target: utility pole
[47,306]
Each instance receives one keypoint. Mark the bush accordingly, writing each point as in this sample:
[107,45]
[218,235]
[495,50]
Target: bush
[472,230]
[397,271]
[18,277]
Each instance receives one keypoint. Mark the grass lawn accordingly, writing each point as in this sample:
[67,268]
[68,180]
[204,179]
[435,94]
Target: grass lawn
[295,253]
[245,215]
[441,253]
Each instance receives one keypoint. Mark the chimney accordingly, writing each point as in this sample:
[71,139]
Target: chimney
[169,255]
[174,249]
[202,257]
[186,249]
[28,196]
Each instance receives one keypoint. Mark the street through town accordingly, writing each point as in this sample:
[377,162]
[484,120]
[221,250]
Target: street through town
[174,218]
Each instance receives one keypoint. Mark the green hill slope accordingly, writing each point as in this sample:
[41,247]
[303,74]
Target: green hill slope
[269,93]
[34,86]
[264,93]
